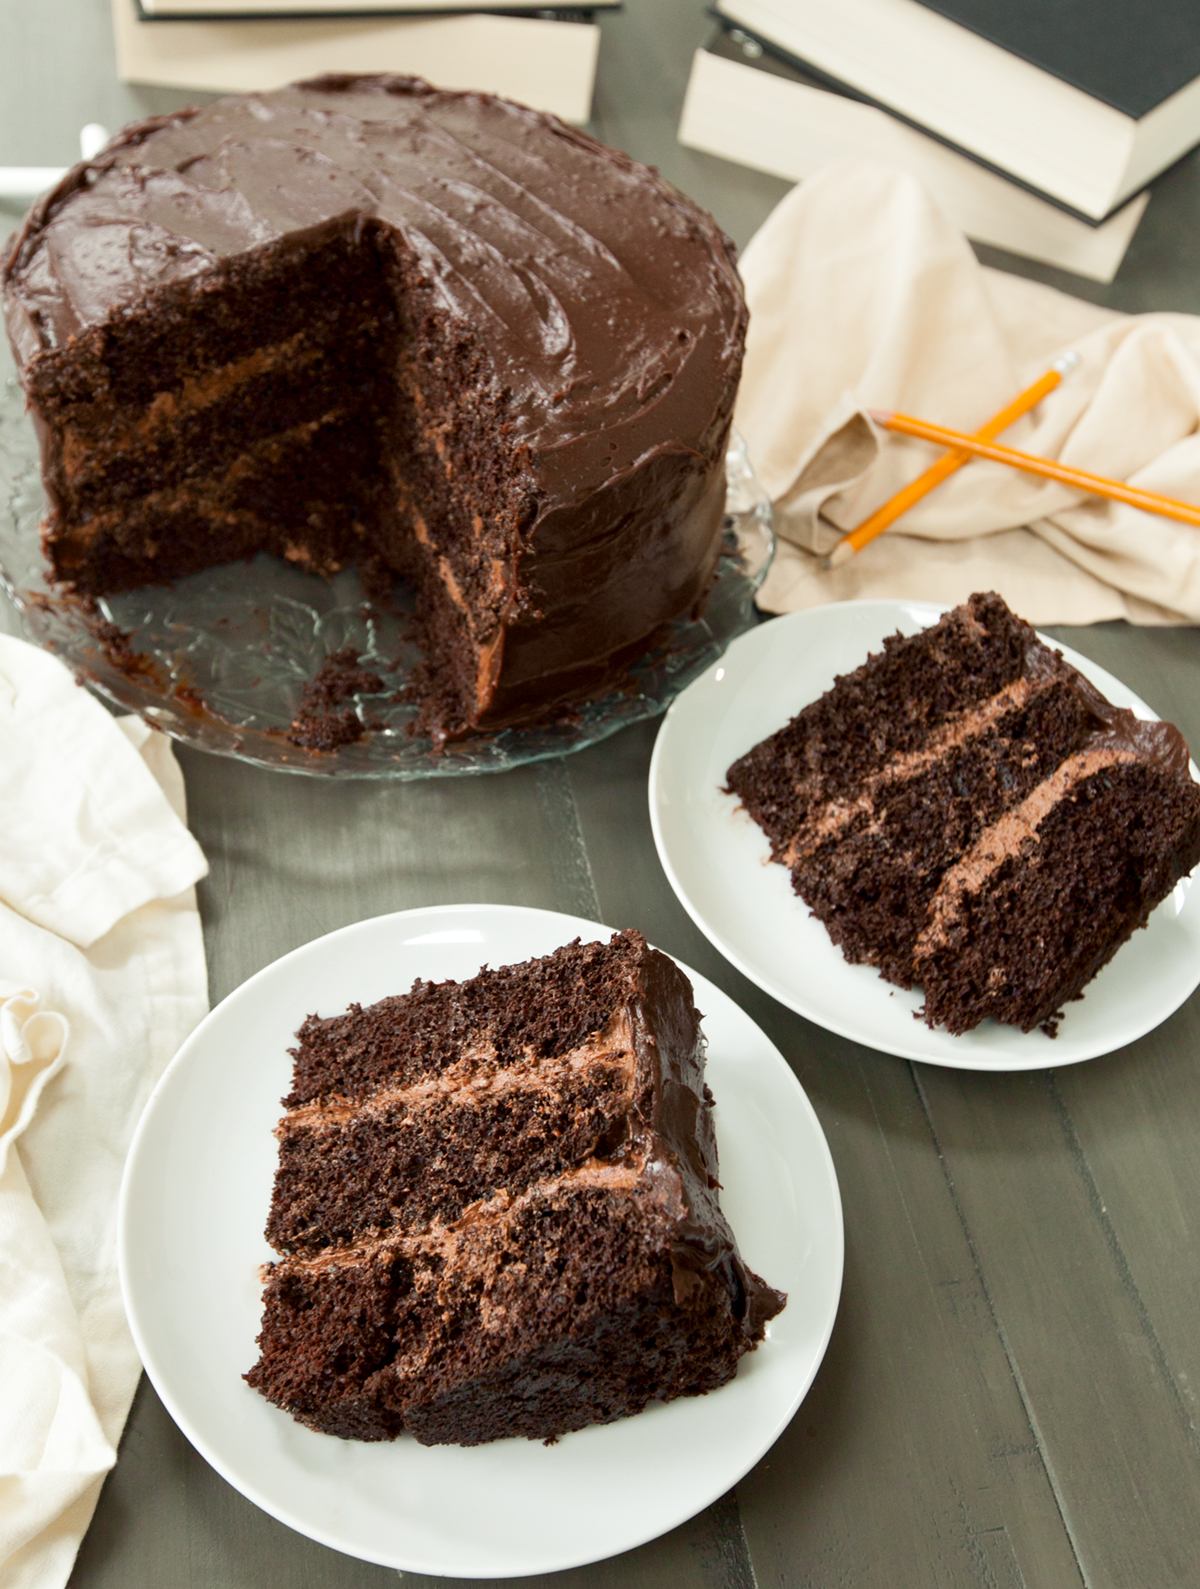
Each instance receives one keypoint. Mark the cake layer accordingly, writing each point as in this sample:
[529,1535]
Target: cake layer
[193,445]
[971,816]
[211,424]
[533,1316]
[887,708]
[1046,896]
[267,389]
[500,1017]
[868,868]
[413,1155]
[497,1208]
[253,506]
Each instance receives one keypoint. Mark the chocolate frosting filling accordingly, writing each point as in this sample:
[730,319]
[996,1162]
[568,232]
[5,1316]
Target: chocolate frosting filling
[1118,737]
[1116,729]
[667,1156]
[678,1150]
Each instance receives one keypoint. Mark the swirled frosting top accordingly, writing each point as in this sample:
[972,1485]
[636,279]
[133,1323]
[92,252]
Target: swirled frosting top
[604,297]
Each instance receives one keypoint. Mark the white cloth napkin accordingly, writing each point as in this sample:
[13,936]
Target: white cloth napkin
[862,295]
[102,976]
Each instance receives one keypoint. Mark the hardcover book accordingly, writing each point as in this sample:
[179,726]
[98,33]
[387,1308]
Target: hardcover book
[549,65]
[1084,100]
[746,105]
[261,10]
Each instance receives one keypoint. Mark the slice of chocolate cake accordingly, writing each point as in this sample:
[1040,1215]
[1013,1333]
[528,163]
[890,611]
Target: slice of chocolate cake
[496,1208]
[968,813]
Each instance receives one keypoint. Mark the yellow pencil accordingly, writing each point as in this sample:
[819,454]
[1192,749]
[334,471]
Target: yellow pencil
[924,484]
[1096,485]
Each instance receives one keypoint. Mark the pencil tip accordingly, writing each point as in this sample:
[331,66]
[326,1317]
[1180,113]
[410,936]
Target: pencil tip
[842,553]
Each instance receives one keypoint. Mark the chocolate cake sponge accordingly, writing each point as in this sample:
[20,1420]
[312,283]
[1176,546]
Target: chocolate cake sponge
[363,320]
[496,1208]
[969,814]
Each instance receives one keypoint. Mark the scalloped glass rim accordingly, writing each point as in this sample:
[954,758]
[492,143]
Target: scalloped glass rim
[228,651]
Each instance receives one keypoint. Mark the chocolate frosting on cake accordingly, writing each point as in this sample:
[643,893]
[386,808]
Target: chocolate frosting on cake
[605,306]
[496,1208]
[578,265]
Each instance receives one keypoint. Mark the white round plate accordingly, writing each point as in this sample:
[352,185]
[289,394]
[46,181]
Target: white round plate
[718,860]
[195,1198]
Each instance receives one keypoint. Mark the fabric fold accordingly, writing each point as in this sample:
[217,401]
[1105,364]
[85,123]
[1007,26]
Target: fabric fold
[85,836]
[862,295]
[102,976]
[32,1043]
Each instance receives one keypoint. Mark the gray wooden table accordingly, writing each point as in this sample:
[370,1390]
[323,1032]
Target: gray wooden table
[1010,1395]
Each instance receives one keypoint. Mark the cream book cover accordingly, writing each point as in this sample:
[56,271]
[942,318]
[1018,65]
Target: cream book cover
[204,10]
[760,118]
[549,65]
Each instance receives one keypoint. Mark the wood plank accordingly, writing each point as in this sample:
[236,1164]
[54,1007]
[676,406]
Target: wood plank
[1132,1123]
[293,858]
[1081,1188]
[167,1521]
[912,1460]
[296,857]
[914,1449]
[1099,1328]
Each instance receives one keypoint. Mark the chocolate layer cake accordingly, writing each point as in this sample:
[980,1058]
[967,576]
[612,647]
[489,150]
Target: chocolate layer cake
[496,1208]
[966,812]
[360,319]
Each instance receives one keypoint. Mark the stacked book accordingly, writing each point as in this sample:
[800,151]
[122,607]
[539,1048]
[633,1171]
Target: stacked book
[544,58]
[1036,124]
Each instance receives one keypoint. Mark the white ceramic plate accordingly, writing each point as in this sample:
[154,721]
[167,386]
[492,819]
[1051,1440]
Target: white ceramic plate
[718,861]
[195,1198]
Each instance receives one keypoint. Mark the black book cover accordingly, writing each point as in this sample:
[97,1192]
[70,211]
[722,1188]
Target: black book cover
[1130,54]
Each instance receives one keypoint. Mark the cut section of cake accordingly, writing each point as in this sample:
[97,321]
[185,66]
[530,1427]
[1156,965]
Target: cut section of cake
[968,813]
[496,1208]
[362,320]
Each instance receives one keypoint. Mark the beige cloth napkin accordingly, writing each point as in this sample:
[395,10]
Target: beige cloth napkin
[862,295]
[102,976]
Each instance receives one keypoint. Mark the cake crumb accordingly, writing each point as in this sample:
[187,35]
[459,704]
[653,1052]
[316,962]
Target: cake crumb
[324,722]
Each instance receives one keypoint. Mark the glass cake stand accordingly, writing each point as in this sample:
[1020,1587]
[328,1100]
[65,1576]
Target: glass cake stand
[220,660]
